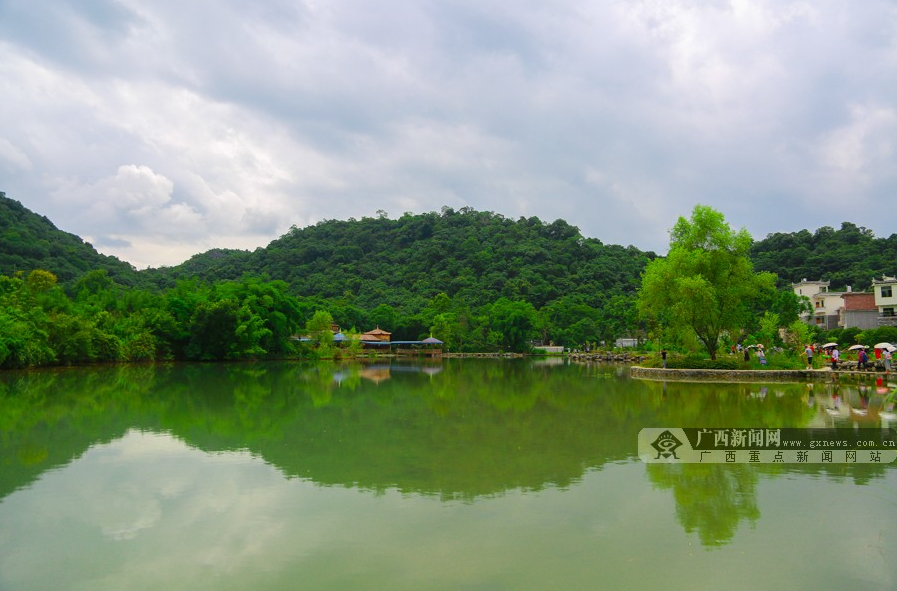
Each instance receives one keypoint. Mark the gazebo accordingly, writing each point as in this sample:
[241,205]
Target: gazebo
[378,335]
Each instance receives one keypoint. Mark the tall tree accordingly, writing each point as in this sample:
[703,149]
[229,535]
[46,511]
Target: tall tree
[706,285]
[514,321]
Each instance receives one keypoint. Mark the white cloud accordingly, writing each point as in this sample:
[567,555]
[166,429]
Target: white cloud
[282,113]
[135,197]
[13,156]
[866,142]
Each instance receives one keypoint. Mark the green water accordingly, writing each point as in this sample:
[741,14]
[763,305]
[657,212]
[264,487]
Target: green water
[456,475]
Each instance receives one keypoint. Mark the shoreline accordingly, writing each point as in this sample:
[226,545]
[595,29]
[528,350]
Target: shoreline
[746,375]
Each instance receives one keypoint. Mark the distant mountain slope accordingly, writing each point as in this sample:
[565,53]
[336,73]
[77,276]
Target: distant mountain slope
[29,241]
[475,256]
[849,256]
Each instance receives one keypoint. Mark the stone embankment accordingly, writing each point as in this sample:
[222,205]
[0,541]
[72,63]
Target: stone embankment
[600,356]
[484,355]
[730,375]
[607,357]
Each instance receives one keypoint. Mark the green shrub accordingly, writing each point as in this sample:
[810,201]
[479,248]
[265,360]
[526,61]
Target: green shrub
[705,363]
[786,362]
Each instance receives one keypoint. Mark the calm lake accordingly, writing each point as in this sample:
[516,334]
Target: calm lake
[459,475]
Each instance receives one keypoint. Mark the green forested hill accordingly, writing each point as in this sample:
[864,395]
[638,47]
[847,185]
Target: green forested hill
[849,256]
[472,256]
[29,241]
[477,280]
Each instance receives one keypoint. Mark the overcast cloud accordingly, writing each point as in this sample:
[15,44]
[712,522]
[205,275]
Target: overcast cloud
[156,130]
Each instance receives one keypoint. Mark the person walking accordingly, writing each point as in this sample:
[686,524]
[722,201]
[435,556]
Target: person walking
[808,351]
[663,357]
[887,355]
[836,357]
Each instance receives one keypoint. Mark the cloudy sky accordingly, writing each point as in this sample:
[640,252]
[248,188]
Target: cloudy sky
[156,130]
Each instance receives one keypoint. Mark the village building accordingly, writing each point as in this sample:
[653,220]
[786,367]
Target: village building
[844,309]
[827,308]
[885,290]
[859,310]
[809,288]
[827,305]
[548,349]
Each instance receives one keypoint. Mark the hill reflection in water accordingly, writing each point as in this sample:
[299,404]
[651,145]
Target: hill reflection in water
[456,430]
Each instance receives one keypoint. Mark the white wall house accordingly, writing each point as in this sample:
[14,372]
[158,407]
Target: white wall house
[885,290]
[809,288]
[831,309]
[827,305]
[827,309]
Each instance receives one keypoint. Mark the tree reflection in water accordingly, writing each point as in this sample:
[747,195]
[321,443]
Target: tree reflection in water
[454,430]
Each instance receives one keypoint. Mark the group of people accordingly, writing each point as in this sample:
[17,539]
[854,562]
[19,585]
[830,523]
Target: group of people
[883,355]
[829,353]
[761,353]
[834,356]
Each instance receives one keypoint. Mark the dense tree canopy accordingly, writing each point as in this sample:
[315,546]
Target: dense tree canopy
[476,280]
[451,274]
[40,324]
[29,241]
[706,286]
[476,257]
[849,256]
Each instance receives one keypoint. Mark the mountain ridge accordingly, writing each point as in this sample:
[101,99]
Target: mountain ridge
[476,255]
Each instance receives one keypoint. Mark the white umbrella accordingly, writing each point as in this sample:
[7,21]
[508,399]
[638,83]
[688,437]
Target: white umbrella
[827,345]
[855,347]
[887,346]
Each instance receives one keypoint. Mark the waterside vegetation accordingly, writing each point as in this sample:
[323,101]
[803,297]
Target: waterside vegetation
[705,296]
[478,281]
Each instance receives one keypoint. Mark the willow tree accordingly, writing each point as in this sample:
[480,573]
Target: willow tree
[706,285]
